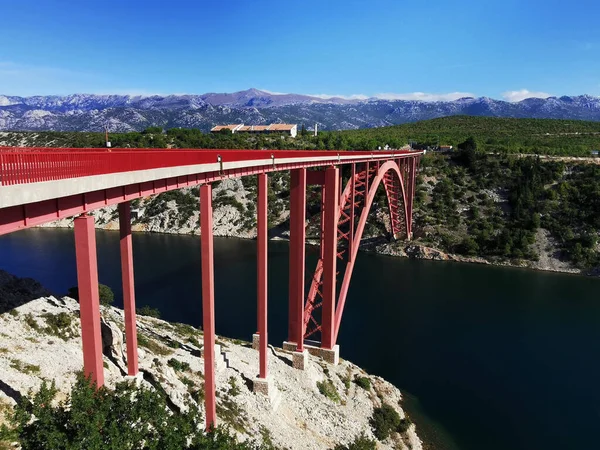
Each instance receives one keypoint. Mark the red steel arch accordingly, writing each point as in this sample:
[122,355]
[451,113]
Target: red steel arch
[398,178]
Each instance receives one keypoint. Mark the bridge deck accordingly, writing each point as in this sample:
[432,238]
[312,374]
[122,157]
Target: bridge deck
[36,174]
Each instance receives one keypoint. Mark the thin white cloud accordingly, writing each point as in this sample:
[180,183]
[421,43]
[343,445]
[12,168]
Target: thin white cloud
[420,96]
[345,97]
[517,96]
[424,96]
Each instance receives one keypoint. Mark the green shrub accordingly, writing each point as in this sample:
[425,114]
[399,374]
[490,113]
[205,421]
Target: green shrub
[31,322]
[152,345]
[363,382]
[179,366]
[148,311]
[59,325]
[361,442]
[327,388]
[98,419]
[24,367]
[105,293]
[234,389]
[385,420]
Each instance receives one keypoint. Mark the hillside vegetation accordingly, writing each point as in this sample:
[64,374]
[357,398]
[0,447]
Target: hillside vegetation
[492,134]
[500,207]
[492,197]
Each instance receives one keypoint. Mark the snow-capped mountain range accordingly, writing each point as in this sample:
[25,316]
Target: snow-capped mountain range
[90,112]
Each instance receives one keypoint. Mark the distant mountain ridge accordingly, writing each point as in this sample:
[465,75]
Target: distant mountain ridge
[91,112]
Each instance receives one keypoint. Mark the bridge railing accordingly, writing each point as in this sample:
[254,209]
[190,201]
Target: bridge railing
[31,165]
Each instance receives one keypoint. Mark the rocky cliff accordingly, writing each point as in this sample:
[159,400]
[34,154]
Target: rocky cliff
[40,340]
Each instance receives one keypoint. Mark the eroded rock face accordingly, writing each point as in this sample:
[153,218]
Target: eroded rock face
[295,414]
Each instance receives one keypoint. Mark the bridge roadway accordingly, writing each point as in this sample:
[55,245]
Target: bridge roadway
[39,185]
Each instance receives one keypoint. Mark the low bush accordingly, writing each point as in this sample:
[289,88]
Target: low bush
[148,311]
[363,382]
[385,420]
[178,366]
[105,293]
[129,417]
[361,442]
[327,388]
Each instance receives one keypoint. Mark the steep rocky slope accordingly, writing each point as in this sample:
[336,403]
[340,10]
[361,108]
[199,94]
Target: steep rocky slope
[40,339]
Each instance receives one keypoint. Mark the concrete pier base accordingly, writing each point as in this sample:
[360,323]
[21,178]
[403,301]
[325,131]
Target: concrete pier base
[261,385]
[256,341]
[329,356]
[300,360]
[289,346]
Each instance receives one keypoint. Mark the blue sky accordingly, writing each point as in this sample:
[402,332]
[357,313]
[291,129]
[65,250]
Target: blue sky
[396,49]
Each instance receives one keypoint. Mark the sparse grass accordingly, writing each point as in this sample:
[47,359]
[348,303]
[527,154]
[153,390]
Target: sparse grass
[363,382]
[31,322]
[234,389]
[3,351]
[59,325]
[152,345]
[231,413]
[24,367]
[173,343]
[178,366]
[267,440]
[327,388]
[189,383]
[198,394]
[346,380]
[13,312]
[184,329]
[192,340]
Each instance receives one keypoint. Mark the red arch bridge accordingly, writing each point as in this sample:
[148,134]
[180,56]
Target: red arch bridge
[39,185]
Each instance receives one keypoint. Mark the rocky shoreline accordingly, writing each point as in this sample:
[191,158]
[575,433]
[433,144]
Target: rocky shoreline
[40,340]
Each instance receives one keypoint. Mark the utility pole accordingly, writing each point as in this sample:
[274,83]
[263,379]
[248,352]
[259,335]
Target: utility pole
[107,142]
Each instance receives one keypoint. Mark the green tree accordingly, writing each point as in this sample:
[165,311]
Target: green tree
[361,442]
[129,417]
[106,294]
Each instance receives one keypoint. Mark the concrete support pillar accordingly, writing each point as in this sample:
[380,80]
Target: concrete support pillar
[208,303]
[332,179]
[261,243]
[128,287]
[89,301]
[297,256]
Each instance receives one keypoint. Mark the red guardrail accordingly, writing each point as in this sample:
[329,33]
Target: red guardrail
[30,165]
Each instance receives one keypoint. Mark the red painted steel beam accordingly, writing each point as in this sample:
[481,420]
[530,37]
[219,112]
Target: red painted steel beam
[352,208]
[332,182]
[369,197]
[315,177]
[297,256]
[261,253]
[208,303]
[89,302]
[128,287]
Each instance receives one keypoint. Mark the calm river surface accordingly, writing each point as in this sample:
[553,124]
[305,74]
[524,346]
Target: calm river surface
[488,357]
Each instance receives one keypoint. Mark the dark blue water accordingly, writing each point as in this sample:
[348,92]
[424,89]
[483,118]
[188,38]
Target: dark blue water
[491,358]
